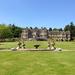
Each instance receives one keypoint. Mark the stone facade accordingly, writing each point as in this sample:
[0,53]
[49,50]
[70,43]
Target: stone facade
[44,33]
[60,35]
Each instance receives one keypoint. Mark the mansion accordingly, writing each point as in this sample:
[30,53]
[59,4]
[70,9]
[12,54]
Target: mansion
[45,34]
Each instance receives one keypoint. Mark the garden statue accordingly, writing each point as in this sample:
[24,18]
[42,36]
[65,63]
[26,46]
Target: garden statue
[19,44]
[23,45]
[51,44]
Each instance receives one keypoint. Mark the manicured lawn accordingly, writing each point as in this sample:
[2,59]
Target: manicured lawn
[43,44]
[66,45]
[37,62]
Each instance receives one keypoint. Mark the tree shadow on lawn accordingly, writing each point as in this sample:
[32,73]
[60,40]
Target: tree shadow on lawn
[4,48]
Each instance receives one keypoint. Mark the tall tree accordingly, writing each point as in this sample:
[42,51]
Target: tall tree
[55,29]
[60,29]
[36,28]
[16,31]
[71,28]
[50,29]
[67,28]
[31,28]
[5,31]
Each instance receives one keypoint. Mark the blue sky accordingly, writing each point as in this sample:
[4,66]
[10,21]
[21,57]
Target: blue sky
[37,13]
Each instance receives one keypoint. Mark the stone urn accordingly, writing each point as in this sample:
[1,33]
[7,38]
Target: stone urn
[36,46]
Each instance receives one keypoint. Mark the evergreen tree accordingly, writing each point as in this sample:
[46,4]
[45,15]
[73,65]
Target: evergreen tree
[50,29]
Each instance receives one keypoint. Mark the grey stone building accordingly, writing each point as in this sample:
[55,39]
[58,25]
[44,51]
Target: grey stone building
[60,35]
[44,33]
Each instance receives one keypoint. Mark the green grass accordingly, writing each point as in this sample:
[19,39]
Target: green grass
[43,44]
[37,62]
[66,45]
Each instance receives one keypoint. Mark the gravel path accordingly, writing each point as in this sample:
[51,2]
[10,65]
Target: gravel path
[34,50]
